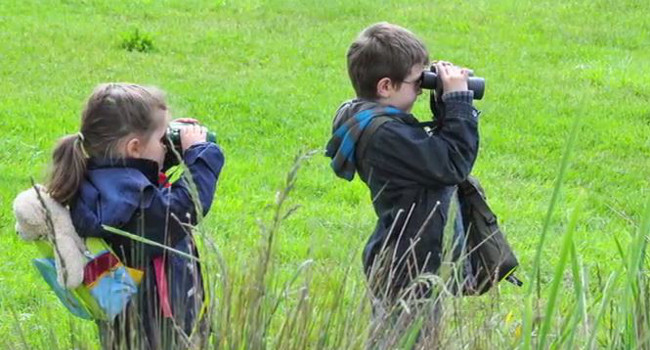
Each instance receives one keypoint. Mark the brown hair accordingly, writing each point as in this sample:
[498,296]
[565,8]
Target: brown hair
[383,50]
[113,112]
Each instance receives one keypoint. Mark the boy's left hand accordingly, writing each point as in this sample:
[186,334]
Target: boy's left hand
[453,78]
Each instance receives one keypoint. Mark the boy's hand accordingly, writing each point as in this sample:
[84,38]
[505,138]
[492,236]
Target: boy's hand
[453,77]
[192,134]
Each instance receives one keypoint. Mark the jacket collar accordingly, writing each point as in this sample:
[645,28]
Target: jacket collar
[351,107]
[147,167]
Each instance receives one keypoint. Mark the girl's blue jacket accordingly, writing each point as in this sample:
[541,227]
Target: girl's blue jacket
[126,194]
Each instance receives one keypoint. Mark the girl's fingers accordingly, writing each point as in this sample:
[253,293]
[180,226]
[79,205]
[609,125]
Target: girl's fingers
[186,120]
[194,129]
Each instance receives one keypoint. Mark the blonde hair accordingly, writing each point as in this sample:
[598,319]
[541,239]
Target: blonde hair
[113,112]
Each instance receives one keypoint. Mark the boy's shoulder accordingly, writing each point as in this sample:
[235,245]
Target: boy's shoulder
[391,135]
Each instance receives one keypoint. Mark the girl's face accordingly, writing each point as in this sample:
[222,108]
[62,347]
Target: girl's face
[151,146]
[154,148]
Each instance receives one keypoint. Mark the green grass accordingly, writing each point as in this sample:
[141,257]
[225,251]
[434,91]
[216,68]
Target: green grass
[267,76]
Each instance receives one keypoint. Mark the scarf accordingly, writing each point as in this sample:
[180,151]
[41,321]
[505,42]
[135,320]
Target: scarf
[348,129]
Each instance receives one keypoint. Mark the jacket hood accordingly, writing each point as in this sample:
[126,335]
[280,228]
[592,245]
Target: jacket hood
[111,195]
[351,121]
[348,109]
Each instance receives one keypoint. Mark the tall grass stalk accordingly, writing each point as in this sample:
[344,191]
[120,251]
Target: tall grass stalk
[534,278]
[558,277]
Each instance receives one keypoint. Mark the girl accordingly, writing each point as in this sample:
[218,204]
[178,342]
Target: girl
[108,174]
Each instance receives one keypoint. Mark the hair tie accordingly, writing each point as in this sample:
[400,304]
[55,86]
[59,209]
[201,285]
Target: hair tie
[80,141]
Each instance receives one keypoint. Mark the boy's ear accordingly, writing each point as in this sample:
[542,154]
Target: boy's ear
[385,87]
[133,148]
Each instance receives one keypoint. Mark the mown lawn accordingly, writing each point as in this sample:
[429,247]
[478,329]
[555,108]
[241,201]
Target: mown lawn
[267,76]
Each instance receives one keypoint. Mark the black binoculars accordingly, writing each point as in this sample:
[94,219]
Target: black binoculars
[431,81]
[173,143]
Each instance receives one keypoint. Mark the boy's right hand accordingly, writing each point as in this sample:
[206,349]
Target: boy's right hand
[192,134]
[453,77]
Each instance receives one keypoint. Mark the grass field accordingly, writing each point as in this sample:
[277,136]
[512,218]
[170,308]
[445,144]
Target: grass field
[267,76]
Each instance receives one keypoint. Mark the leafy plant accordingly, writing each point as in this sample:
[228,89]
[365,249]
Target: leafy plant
[137,41]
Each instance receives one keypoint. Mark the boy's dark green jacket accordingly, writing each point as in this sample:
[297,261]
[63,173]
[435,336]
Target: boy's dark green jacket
[411,172]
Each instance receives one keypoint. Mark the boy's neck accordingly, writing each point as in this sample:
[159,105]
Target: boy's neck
[378,101]
[382,102]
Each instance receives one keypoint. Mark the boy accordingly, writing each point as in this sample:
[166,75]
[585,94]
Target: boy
[412,173]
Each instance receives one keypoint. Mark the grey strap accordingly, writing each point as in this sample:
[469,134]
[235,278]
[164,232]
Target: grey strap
[366,136]
[370,130]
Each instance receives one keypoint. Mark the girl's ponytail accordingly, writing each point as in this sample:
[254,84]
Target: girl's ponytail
[68,168]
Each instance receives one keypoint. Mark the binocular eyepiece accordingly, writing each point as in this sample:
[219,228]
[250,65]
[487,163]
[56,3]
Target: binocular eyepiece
[431,81]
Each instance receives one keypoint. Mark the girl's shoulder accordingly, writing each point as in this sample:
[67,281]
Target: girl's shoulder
[115,191]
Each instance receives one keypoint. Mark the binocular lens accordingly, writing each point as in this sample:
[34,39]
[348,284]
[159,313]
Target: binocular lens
[430,81]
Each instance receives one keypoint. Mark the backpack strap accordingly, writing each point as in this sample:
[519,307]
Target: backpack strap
[475,193]
[368,132]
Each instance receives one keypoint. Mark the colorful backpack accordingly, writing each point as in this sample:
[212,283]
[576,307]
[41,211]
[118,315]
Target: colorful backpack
[86,275]
[107,285]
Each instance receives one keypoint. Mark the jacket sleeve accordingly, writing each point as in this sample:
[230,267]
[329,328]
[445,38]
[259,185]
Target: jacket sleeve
[444,158]
[204,162]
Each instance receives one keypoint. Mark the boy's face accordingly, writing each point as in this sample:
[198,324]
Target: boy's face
[403,97]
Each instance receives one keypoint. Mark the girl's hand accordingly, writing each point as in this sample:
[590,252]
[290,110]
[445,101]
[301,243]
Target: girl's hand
[453,77]
[192,134]
[186,120]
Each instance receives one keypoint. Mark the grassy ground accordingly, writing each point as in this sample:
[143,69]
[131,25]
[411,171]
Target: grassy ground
[267,77]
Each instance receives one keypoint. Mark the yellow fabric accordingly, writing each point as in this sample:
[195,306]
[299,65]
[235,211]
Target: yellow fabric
[135,274]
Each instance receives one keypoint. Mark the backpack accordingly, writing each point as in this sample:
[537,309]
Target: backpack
[489,254]
[85,274]
[107,285]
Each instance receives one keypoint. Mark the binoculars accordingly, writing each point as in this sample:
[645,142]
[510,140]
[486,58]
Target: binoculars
[173,143]
[431,81]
